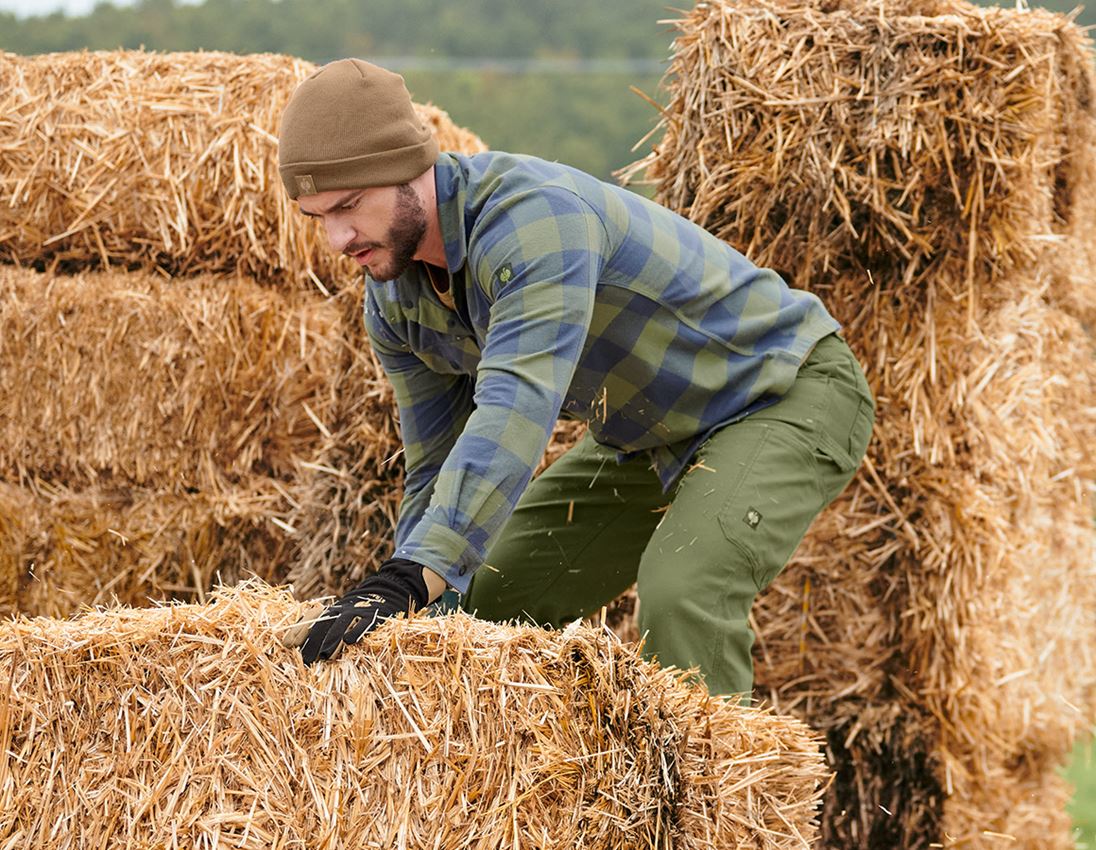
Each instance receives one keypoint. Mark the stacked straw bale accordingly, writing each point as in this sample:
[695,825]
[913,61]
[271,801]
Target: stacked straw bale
[160,161]
[192,726]
[157,433]
[922,167]
[62,549]
[153,431]
[216,412]
[200,382]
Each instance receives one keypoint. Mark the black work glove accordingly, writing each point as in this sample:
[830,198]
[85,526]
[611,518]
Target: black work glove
[397,588]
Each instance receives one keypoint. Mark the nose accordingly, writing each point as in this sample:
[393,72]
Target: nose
[339,234]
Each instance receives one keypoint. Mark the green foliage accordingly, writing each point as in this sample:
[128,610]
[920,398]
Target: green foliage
[590,121]
[1081,773]
[336,28]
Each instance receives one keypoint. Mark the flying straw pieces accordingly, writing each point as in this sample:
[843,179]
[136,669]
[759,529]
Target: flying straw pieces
[160,161]
[919,166]
[192,726]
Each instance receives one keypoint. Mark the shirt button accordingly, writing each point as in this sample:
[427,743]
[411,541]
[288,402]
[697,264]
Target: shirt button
[462,571]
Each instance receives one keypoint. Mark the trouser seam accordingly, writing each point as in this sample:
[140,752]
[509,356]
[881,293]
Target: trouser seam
[752,566]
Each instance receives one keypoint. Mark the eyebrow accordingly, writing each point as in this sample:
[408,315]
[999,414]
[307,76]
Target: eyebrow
[341,202]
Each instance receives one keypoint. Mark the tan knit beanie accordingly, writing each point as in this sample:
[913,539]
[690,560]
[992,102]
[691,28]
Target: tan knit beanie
[351,125]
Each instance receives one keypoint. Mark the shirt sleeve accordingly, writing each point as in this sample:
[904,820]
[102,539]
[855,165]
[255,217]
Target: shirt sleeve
[433,409]
[536,261]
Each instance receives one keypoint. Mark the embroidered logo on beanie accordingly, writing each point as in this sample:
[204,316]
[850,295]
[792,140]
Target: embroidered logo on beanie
[305,184]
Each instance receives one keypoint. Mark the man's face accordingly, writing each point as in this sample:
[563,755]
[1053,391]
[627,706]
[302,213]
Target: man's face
[380,227]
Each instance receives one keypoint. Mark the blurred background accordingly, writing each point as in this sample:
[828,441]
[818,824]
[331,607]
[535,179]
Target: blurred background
[551,78]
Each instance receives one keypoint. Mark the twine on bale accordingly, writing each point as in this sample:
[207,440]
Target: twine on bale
[160,161]
[192,725]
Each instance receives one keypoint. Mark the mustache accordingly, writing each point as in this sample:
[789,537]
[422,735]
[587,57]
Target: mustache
[357,247]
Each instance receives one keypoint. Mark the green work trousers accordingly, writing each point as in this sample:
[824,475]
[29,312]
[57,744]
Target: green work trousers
[588,528]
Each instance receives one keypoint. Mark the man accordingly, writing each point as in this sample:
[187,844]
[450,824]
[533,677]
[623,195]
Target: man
[503,292]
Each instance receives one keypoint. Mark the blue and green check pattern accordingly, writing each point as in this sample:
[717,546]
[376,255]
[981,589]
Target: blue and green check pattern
[573,297]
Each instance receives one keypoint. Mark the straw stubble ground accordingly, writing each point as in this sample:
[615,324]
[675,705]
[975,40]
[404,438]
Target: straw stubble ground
[192,726]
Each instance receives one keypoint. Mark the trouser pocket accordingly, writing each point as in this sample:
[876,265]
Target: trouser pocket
[772,499]
[845,424]
[807,447]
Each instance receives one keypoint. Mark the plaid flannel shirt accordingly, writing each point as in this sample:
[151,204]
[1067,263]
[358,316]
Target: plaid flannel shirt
[575,297]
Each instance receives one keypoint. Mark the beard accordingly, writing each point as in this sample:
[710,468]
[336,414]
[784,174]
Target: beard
[402,240]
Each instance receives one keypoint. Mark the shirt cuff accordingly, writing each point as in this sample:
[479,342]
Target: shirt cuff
[442,550]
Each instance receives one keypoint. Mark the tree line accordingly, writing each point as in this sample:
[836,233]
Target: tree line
[590,119]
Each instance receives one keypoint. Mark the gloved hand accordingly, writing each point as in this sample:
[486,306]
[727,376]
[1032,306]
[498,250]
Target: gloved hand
[397,588]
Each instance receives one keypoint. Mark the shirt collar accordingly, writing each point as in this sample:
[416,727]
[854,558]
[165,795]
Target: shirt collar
[451,185]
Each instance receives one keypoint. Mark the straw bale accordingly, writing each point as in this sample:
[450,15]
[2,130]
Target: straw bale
[878,137]
[346,509]
[193,384]
[14,512]
[954,572]
[919,165]
[151,488]
[829,649]
[987,622]
[161,161]
[238,382]
[885,793]
[192,726]
[1031,809]
[63,549]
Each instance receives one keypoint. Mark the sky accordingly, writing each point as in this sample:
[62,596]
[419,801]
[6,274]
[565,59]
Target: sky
[25,8]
